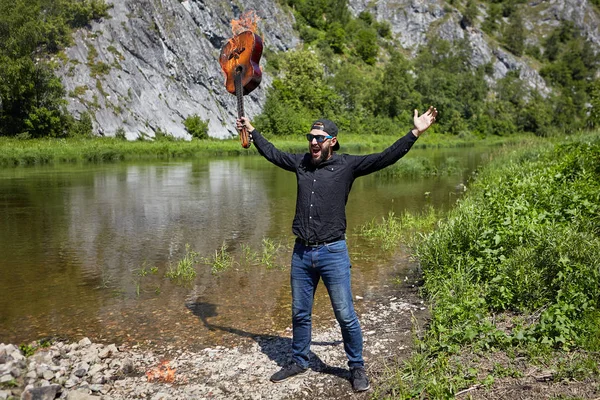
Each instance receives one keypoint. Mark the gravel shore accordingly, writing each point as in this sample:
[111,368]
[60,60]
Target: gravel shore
[85,370]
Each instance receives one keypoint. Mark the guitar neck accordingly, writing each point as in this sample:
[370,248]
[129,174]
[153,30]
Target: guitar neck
[239,93]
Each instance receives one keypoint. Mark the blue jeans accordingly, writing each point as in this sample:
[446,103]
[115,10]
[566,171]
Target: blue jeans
[330,262]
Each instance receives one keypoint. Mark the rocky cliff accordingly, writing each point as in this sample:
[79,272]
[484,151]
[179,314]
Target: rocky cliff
[413,21]
[153,63]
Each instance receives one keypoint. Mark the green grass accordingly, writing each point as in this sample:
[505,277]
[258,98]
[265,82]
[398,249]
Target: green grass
[514,269]
[418,167]
[221,261]
[392,229]
[269,253]
[184,270]
[526,238]
[224,260]
[14,152]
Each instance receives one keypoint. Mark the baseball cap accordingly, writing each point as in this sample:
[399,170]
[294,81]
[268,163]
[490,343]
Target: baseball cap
[328,127]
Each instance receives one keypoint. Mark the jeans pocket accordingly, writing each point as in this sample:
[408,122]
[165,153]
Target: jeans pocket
[336,247]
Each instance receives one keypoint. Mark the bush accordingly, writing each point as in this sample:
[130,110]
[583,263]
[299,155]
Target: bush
[83,126]
[196,127]
[526,241]
[160,135]
[120,134]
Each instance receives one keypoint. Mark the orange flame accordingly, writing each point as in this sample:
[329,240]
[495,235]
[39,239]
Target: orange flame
[248,21]
[161,373]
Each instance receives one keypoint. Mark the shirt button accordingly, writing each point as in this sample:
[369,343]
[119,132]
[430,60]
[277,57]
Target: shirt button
[313,192]
[309,217]
[314,180]
[311,205]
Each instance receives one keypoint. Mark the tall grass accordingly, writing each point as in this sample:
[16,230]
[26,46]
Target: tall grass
[221,261]
[516,265]
[526,239]
[269,253]
[418,167]
[224,260]
[49,151]
[393,229]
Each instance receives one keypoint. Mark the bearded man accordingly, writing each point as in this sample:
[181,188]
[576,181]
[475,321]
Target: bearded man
[324,182]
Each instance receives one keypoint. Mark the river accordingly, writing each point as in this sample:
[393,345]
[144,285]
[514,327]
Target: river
[84,248]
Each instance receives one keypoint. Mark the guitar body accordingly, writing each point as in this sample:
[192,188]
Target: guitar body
[239,60]
[241,56]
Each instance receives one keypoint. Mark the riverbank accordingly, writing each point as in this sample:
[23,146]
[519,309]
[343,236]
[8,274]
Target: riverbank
[14,152]
[85,370]
[512,275]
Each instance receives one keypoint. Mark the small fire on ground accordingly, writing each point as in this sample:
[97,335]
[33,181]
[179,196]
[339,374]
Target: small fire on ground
[161,373]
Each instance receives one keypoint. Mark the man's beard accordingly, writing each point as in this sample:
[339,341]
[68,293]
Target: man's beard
[322,157]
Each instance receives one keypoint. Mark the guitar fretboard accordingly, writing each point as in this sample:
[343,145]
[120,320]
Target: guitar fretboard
[239,93]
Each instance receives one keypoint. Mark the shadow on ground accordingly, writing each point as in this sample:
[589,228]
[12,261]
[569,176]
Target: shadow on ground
[277,348]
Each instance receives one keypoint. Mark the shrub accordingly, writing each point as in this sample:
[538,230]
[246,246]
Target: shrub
[83,126]
[160,135]
[196,127]
[120,134]
[526,241]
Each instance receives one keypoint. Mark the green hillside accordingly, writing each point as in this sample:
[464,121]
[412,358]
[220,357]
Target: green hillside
[350,69]
[370,84]
[32,33]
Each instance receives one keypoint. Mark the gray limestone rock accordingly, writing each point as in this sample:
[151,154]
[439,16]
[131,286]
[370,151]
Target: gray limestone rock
[41,393]
[81,369]
[79,395]
[412,21]
[152,64]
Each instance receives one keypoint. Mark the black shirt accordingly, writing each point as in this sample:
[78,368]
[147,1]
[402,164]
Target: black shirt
[323,189]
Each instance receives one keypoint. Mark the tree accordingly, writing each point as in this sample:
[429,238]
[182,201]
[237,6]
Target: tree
[303,84]
[365,44]
[514,35]
[470,15]
[299,96]
[30,93]
[593,118]
[32,99]
[357,87]
[397,93]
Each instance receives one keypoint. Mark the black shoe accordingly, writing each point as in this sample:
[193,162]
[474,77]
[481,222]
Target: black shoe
[288,372]
[359,379]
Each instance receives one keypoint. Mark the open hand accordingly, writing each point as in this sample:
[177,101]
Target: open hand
[421,123]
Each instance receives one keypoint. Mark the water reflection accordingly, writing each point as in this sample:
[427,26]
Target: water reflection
[149,213]
[84,249]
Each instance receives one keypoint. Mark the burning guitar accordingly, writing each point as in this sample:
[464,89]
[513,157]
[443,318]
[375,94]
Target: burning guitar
[239,60]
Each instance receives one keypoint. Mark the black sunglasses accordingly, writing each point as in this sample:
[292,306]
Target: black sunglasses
[318,138]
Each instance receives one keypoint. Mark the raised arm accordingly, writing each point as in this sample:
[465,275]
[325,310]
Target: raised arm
[280,158]
[364,165]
